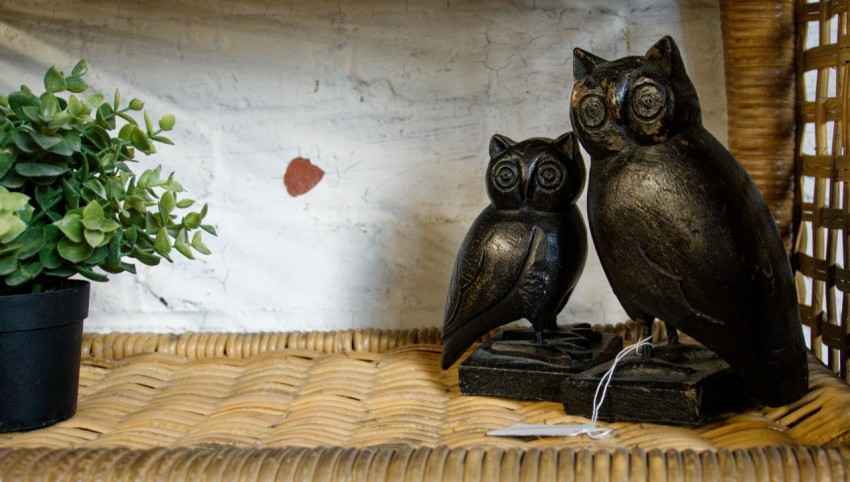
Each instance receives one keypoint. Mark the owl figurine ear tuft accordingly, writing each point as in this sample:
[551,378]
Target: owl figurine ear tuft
[584,63]
[666,55]
[499,144]
[568,145]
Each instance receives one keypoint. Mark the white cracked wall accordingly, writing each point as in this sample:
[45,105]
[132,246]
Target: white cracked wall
[395,101]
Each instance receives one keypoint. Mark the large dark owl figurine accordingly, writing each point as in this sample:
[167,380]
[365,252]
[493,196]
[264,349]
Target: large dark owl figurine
[525,252]
[681,230]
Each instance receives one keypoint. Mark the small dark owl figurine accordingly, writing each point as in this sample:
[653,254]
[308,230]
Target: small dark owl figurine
[525,252]
[681,230]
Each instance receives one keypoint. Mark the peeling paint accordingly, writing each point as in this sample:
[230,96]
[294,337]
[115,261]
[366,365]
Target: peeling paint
[301,176]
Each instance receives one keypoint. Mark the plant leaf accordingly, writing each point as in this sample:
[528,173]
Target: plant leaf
[185,203]
[31,242]
[12,181]
[47,197]
[91,274]
[50,258]
[113,250]
[105,116]
[98,256]
[10,228]
[30,113]
[72,226]
[93,210]
[94,101]
[8,264]
[103,224]
[24,273]
[24,141]
[167,201]
[74,252]
[48,106]
[48,254]
[199,245]
[54,81]
[145,257]
[181,246]
[130,235]
[162,244]
[97,135]
[192,221]
[7,159]
[72,194]
[95,238]
[60,120]
[162,140]
[148,123]
[141,142]
[71,143]
[35,169]
[164,216]
[76,84]
[63,271]
[127,117]
[19,100]
[81,68]
[96,187]
[44,141]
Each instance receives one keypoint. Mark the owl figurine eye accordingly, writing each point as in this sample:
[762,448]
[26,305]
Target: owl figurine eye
[506,175]
[592,111]
[549,175]
[648,100]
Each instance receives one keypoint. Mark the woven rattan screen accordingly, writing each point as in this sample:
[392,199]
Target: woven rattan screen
[822,197]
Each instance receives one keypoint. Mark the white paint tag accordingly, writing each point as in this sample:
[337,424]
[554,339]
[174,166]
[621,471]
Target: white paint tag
[572,430]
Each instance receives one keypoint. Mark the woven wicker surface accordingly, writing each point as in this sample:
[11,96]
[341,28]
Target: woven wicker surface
[426,464]
[374,405]
[351,397]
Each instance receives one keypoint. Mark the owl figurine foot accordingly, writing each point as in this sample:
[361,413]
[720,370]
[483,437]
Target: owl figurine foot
[514,364]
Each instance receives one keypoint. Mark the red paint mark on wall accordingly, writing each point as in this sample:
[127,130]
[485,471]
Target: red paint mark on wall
[301,176]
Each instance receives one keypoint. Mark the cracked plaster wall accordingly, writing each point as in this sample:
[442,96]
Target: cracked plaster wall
[395,102]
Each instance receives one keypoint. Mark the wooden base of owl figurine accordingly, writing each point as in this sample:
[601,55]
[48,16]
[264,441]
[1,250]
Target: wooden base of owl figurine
[678,385]
[514,365]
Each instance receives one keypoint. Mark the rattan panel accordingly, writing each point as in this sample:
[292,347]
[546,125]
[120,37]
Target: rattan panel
[758,45]
[821,210]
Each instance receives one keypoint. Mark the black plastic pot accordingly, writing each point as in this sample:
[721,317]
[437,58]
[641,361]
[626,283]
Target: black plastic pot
[40,337]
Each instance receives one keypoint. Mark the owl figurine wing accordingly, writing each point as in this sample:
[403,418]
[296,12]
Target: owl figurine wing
[489,267]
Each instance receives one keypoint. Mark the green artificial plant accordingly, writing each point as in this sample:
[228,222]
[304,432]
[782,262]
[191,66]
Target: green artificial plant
[70,202]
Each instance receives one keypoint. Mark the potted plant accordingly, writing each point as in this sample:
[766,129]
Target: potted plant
[71,204]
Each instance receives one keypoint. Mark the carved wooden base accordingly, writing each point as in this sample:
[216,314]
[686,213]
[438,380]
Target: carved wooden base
[514,365]
[677,385]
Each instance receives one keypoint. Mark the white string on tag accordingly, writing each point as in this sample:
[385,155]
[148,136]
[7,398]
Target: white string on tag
[606,378]
[572,430]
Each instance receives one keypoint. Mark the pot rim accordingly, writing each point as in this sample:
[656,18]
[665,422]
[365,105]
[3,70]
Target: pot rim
[35,311]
